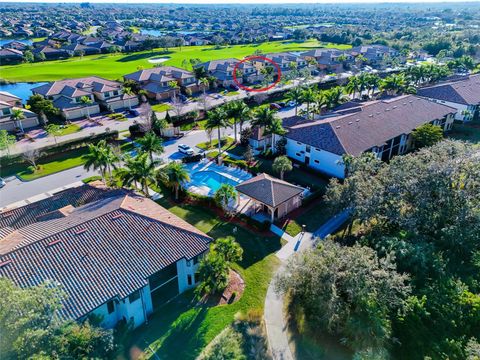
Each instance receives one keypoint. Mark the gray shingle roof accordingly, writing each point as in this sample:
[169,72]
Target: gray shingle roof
[269,190]
[102,250]
[466,92]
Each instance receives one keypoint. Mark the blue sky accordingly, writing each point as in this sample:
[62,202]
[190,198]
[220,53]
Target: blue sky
[244,1]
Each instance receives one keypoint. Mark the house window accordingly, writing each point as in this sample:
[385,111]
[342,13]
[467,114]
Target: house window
[298,154]
[107,95]
[115,93]
[189,279]
[134,296]
[6,111]
[299,143]
[307,148]
[189,263]
[110,306]
[196,259]
[316,161]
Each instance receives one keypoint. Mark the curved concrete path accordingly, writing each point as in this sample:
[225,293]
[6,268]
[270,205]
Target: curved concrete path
[276,326]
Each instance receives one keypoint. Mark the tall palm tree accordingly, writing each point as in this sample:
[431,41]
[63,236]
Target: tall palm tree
[394,84]
[308,96]
[17,116]
[205,84]
[295,95]
[335,97]
[217,118]
[138,170]
[239,112]
[174,175]
[320,102]
[282,164]
[353,86]
[97,158]
[275,128]
[151,144]
[225,194]
[264,119]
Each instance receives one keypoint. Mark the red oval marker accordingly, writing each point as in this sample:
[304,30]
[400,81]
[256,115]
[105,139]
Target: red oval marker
[246,88]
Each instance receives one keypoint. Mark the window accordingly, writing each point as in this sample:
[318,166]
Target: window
[297,154]
[107,95]
[189,263]
[307,148]
[316,161]
[110,306]
[115,93]
[6,111]
[134,296]
[196,259]
[189,279]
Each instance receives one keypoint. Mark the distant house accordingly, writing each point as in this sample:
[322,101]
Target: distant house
[8,103]
[285,61]
[77,49]
[156,81]
[258,140]
[67,96]
[271,195]
[17,45]
[381,127]
[463,95]
[50,53]
[115,254]
[10,56]
[375,54]
[329,60]
[222,70]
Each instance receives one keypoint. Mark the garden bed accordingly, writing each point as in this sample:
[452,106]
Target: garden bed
[230,295]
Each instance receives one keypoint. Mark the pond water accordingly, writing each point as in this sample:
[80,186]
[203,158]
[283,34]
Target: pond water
[154,32]
[157,60]
[20,89]
[151,32]
[25,41]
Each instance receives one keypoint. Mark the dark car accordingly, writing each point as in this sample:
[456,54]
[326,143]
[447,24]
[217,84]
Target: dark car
[133,112]
[282,104]
[275,106]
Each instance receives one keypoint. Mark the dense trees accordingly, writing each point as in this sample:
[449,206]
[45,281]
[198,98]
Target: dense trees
[423,209]
[31,327]
[427,135]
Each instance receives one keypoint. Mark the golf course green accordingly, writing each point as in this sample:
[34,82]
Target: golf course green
[114,66]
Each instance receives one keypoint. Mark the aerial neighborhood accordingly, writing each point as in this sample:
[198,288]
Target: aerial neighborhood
[239,181]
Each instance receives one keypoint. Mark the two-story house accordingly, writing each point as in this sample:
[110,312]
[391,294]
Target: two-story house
[114,253]
[222,70]
[82,97]
[156,81]
[329,60]
[287,62]
[463,95]
[9,103]
[383,127]
[376,54]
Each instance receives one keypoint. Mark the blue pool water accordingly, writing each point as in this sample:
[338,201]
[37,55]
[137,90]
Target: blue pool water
[20,89]
[211,179]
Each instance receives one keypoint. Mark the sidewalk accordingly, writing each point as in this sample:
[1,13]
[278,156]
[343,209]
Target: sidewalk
[276,326]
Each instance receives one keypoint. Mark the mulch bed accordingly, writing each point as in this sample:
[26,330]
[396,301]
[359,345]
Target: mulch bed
[230,295]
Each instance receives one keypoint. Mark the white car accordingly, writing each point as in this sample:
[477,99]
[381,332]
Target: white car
[185,149]
[291,103]
[2,183]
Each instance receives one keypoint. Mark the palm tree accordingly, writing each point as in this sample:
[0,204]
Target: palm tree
[54,130]
[264,118]
[239,112]
[85,100]
[174,175]
[320,102]
[282,164]
[308,96]
[173,85]
[394,84]
[17,116]
[128,91]
[151,144]
[225,194]
[275,128]
[335,97]
[295,95]
[205,84]
[353,86]
[217,118]
[96,158]
[138,170]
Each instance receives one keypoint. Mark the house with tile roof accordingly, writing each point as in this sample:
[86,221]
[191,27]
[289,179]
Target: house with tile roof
[9,103]
[114,253]
[222,70]
[329,59]
[383,127]
[463,95]
[271,195]
[155,81]
[287,62]
[10,56]
[67,96]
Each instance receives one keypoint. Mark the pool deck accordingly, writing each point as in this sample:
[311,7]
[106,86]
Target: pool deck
[235,174]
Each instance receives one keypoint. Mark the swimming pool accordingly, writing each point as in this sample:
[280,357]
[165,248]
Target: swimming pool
[210,179]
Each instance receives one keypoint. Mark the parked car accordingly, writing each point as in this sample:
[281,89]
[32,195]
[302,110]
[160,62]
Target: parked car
[291,103]
[2,183]
[133,112]
[185,149]
[275,106]
[282,104]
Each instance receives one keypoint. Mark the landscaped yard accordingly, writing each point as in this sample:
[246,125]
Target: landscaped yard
[313,216]
[114,66]
[161,107]
[69,129]
[226,143]
[180,330]
[54,164]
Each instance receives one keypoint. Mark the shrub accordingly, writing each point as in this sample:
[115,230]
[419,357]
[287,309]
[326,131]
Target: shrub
[91,178]
[193,158]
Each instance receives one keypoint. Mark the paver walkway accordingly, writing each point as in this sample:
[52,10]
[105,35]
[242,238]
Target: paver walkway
[275,323]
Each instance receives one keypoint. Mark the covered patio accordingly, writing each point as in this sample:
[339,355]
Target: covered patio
[267,195]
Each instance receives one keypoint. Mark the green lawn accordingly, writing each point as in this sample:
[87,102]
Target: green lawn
[161,107]
[53,164]
[114,66]
[69,129]
[466,132]
[180,330]
[190,126]
[313,217]
[214,145]
[232,93]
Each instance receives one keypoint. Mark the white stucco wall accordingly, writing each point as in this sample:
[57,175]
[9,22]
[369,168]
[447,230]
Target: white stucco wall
[328,163]
[183,270]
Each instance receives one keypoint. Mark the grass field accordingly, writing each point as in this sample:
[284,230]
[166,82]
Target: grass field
[113,66]
[161,107]
[180,330]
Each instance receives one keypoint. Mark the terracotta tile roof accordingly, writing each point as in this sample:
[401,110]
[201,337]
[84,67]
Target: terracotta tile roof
[99,251]
[269,190]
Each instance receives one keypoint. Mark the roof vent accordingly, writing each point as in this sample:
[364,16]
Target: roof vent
[54,242]
[410,101]
[394,106]
[371,115]
[80,231]
[350,122]
[118,216]
[387,109]
[404,103]
[4,263]
[337,127]
[357,120]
